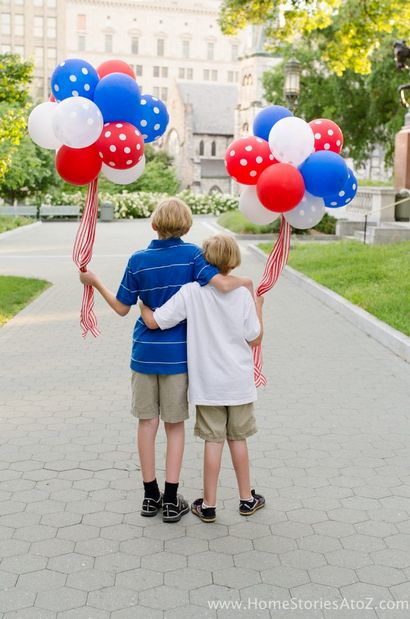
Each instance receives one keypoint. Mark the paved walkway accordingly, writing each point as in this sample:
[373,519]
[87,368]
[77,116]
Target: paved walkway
[332,457]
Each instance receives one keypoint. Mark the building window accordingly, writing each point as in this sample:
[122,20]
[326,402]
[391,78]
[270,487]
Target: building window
[19,25]
[19,49]
[81,42]
[234,52]
[164,71]
[134,45]
[155,71]
[214,75]
[210,51]
[39,56]
[213,149]
[201,148]
[160,47]
[52,54]
[190,74]
[206,75]
[38,26]
[245,128]
[108,43]
[38,3]
[181,73]
[5,49]
[51,27]
[81,22]
[230,76]
[156,92]
[185,49]
[52,4]
[164,94]
[5,23]
[138,70]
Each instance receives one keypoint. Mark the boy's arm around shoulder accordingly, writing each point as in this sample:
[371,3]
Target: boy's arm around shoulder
[226,283]
[168,315]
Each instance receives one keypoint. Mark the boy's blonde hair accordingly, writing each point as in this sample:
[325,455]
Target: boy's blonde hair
[223,252]
[172,218]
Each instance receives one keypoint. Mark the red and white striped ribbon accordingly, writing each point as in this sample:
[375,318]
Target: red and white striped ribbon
[82,254]
[277,260]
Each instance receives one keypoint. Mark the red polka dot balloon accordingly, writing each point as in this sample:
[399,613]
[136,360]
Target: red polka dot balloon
[247,158]
[328,135]
[120,145]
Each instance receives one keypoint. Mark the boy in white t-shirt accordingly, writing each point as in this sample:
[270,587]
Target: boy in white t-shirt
[221,330]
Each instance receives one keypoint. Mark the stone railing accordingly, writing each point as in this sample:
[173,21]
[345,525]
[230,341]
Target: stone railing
[378,203]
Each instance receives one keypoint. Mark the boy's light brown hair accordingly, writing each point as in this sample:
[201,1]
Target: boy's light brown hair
[172,218]
[223,252]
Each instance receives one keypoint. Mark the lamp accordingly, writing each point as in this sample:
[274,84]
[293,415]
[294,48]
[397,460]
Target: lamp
[292,82]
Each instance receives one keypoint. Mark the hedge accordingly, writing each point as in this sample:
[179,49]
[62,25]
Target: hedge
[140,204]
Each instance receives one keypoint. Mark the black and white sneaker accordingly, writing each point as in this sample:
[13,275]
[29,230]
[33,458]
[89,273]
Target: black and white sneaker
[151,507]
[174,513]
[206,514]
[247,508]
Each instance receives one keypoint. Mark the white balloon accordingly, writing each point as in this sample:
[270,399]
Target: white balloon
[40,125]
[251,207]
[307,213]
[124,177]
[291,140]
[77,122]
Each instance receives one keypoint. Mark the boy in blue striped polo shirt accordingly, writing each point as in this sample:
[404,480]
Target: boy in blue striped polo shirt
[159,358]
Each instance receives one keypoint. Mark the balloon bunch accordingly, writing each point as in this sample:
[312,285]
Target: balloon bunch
[97,120]
[290,167]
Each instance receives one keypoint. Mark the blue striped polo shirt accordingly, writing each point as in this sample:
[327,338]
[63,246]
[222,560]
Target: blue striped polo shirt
[154,275]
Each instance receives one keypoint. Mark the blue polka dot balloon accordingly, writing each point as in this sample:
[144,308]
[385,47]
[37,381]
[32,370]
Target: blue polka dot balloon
[345,195]
[74,78]
[152,118]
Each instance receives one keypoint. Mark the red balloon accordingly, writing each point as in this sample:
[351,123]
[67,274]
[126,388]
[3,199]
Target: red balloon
[280,187]
[120,145]
[52,98]
[328,135]
[78,166]
[115,66]
[247,158]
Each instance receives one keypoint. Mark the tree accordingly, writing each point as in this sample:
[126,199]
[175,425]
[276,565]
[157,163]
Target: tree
[357,26]
[365,106]
[15,77]
[31,172]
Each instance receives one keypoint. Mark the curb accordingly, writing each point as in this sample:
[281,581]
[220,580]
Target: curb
[5,235]
[390,338]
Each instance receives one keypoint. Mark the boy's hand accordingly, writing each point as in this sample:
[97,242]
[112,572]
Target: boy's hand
[88,278]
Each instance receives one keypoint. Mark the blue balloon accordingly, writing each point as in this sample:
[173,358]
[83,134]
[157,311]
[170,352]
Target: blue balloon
[152,118]
[268,117]
[325,173]
[345,195]
[73,78]
[118,97]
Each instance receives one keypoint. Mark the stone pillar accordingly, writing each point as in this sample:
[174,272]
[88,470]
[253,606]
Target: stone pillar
[402,156]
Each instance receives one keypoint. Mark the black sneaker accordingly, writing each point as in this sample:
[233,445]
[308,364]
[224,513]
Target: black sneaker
[247,508]
[151,507]
[172,512]
[206,514]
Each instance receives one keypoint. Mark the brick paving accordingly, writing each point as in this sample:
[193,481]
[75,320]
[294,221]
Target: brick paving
[332,457]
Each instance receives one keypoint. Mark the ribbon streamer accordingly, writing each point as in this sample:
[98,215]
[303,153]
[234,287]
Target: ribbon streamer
[82,254]
[275,264]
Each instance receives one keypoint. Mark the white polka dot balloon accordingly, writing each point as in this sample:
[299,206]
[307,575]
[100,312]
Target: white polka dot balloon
[307,213]
[120,145]
[246,159]
[328,135]
[77,122]
[152,118]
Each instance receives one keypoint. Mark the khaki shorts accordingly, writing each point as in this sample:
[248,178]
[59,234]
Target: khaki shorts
[217,423]
[160,394]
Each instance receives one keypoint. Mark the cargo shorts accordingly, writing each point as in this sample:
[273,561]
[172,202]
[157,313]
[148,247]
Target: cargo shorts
[163,395]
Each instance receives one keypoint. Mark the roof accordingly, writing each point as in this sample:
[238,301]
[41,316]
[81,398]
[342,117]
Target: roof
[213,106]
[213,168]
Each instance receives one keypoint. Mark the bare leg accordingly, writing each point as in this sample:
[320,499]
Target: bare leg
[212,466]
[147,432]
[175,450]
[240,461]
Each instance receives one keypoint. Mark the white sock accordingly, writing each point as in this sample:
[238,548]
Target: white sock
[251,500]
[205,506]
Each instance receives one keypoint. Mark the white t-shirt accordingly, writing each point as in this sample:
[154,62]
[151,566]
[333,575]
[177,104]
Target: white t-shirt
[220,361]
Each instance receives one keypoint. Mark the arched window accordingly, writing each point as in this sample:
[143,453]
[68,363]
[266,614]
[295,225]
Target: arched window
[213,149]
[215,189]
[245,128]
[201,148]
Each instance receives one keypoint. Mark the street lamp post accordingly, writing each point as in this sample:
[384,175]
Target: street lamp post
[292,82]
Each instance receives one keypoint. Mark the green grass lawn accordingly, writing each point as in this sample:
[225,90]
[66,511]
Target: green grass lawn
[236,222]
[16,293]
[9,223]
[376,278]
